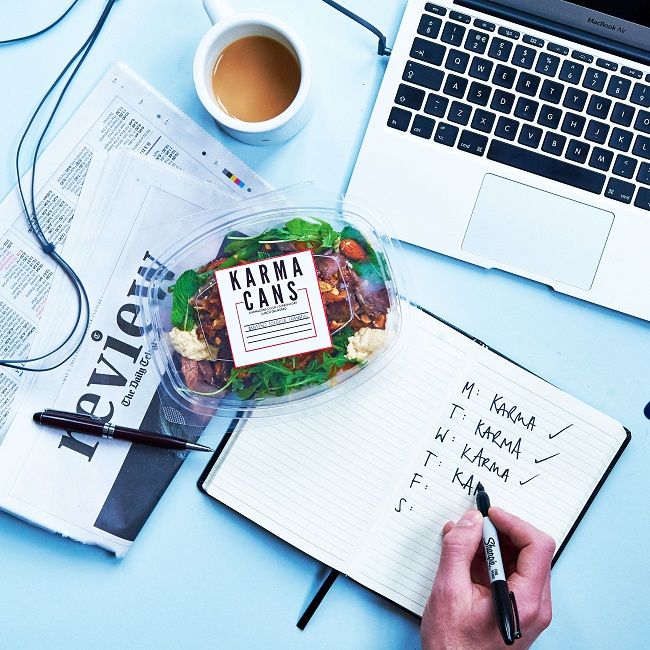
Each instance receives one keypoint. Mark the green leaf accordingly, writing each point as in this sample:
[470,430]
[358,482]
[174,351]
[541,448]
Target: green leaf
[184,289]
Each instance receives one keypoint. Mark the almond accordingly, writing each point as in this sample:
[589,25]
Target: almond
[352,250]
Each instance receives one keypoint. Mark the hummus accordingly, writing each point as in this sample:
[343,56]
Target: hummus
[189,345]
[365,342]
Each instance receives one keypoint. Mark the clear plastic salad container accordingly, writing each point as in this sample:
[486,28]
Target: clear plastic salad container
[273,304]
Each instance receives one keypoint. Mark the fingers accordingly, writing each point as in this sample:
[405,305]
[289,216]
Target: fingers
[536,548]
[459,546]
[447,527]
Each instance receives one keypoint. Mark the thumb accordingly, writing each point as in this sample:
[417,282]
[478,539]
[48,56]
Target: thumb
[459,546]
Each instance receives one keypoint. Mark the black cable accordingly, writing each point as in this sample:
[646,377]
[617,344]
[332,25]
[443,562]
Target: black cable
[83,305]
[382,49]
[17,39]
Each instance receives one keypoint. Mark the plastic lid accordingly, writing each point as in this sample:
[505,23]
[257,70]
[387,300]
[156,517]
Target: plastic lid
[273,305]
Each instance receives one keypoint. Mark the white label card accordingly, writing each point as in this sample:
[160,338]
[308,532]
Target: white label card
[273,308]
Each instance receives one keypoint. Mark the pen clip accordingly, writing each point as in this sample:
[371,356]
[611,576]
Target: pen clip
[515,612]
[73,417]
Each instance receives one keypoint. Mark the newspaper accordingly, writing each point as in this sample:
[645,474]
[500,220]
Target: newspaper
[98,492]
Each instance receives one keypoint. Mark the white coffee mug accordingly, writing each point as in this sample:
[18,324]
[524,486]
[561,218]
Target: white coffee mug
[227,27]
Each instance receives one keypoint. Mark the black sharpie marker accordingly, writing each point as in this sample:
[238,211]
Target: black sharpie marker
[505,605]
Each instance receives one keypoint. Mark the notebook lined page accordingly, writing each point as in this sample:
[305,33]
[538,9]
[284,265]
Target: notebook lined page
[539,452]
[319,480]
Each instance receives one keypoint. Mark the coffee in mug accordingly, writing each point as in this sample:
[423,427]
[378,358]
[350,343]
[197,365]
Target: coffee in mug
[255,78]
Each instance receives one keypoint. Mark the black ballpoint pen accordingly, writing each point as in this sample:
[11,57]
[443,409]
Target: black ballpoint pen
[505,605]
[95,427]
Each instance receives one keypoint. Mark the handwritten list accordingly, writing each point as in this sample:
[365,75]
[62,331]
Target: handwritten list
[366,484]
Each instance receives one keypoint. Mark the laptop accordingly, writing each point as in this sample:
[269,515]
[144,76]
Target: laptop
[515,135]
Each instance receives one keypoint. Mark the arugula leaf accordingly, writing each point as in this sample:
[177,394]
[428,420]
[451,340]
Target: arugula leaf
[278,378]
[186,286]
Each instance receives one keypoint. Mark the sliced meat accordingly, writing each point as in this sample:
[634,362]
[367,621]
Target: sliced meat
[197,376]
[373,298]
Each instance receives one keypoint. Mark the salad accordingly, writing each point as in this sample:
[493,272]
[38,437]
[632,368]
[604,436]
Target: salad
[354,295]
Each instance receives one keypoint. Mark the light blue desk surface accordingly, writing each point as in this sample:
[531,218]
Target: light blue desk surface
[198,575]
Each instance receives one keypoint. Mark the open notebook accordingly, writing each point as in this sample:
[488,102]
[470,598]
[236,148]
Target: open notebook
[365,485]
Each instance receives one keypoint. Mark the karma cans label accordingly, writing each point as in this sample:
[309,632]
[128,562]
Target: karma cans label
[273,308]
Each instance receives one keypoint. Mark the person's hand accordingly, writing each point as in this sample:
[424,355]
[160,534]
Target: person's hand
[459,614]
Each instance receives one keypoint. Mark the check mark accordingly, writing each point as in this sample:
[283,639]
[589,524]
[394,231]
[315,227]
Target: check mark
[552,435]
[529,480]
[547,458]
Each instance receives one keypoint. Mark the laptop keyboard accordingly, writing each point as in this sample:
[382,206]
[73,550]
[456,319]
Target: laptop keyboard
[539,107]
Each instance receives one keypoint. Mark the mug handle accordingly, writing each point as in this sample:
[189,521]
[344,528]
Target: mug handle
[217,10]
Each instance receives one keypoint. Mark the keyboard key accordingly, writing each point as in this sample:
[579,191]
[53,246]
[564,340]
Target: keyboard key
[642,122]
[399,119]
[643,199]
[500,49]
[427,51]
[551,91]
[509,33]
[530,136]
[453,34]
[608,65]
[502,101]
[558,49]
[571,72]
[577,151]
[504,76]
[618,87]
[455,86]
[575,99]
[429,26]
[435,9]
[446,134]
[631,72]
[463,18]
[480,68]
[484,24]
[642,147]
[644,174]
[423,75]
[582,56]
[459,113]
[620,190]
[527,84]
[641,95]
[472,143]
[526,109]
[506,128]
[573,124]
[422,126]
[622,114]
[620,139]
[524,57]
[436,105]
[533,40]
[547,64]
[409,97]
[551,168]
[594,80]
[476,41]
[597,131]
[457,61]
[624,166]
[601,159]
[479,93]
[599,107]
[554,144]
[483,120]
[549,116]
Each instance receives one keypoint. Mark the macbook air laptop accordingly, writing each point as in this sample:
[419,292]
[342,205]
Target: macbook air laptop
[515,134]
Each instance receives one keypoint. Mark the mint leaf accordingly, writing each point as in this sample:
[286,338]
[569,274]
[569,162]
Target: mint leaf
[184,289]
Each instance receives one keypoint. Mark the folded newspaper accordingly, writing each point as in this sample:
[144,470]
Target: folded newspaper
[109,212]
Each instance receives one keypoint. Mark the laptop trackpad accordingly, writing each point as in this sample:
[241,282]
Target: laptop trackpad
[537,231]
